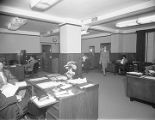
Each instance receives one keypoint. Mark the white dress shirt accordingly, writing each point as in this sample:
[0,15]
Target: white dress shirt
[3,77]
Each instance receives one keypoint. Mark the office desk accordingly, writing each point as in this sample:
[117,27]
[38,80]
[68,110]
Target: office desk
[142,88]
[83,104]
[17,71]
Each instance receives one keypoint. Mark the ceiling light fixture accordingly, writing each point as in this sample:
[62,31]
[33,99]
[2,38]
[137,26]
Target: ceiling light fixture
[146,19]
[42,4]
[136,21]
[16,23]
[127,23]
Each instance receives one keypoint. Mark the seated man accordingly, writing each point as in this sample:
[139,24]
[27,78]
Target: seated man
[30,64]
[11,106]
[121,65]
[150,70]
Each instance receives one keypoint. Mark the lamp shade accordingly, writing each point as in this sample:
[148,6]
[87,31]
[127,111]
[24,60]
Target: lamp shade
[16,23]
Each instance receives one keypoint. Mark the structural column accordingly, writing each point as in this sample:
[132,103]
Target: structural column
[70,46]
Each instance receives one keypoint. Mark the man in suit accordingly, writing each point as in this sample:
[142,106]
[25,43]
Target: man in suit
[12,107]
[104,59]
[121,65]
[30,64]
[150,70]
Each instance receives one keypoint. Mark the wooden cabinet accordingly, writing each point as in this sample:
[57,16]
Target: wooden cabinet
[17,71]
[81,106]
[141,88]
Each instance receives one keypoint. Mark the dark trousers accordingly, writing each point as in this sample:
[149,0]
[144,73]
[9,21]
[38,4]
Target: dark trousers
[120,68]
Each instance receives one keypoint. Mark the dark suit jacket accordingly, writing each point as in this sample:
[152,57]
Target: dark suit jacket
[8,106]
[5,111]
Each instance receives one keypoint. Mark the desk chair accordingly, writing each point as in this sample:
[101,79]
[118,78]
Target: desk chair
[34,71]
[123,69]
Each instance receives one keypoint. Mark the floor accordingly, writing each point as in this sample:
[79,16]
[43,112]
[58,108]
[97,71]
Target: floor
[113,102]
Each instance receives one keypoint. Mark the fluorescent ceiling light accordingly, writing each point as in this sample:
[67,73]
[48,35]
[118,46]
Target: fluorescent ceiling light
[42,4]
[147,19]
[127,23]
[137,21]
[16,23]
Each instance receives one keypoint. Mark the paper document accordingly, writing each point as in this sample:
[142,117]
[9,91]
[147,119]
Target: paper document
[45,85]
[9,90]
[65,86]
[135,73]
[150,77]
[78,81]
[45,102]
[64,94]
[53,78]
[21,84]
[53,75]
[39,79]
[86,86]
[61,77]
[13,66]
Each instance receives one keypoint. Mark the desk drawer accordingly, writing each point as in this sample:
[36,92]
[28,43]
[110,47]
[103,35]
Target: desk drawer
[50,117]
[53,112]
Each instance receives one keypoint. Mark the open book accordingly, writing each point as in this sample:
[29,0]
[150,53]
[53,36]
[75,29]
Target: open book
[9,90]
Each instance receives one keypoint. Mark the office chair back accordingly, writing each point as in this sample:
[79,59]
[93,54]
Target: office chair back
[36,67]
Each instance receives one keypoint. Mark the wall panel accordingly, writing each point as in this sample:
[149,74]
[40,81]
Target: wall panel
[13,43]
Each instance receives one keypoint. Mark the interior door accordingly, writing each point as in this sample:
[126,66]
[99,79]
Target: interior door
[108,46]
[92,56]
[47,58]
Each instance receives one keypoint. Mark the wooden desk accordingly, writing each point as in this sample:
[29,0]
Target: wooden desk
[82,105]
[141,88]
[17,71]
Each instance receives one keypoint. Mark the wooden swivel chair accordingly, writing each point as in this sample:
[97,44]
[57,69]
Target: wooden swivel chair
[34,70]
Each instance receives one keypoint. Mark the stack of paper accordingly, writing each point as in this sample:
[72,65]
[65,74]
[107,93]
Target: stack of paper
[61,77]
[45,102]
[86,86]
[78,81]
[64,94]
[45,85]
[13,66]
[53,78]
[135,73]
[53,75]
[38,79]
[150,77]
[21,84]
[65,86]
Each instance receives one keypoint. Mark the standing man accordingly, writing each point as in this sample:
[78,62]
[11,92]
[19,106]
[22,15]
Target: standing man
[104,59]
